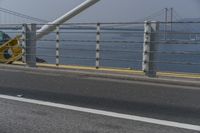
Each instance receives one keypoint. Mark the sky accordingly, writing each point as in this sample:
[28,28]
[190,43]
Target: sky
[104,11]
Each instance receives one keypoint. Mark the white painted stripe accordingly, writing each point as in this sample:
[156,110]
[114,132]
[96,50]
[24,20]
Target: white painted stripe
[106,113]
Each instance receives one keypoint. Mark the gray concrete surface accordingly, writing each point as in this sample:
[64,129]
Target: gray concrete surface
[160,101]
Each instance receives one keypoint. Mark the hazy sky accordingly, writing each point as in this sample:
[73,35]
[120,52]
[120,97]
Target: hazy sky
[104,11]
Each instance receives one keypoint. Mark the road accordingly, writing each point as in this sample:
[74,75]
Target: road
[170,103]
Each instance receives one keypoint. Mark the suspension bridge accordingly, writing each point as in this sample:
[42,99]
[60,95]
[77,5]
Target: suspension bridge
[8,16]
[128,35]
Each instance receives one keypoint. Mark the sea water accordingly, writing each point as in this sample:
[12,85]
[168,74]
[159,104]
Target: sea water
[121,50]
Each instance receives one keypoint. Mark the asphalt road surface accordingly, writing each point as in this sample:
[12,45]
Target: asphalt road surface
[158,101]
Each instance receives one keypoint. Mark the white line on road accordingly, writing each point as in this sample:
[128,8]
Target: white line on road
[106,113]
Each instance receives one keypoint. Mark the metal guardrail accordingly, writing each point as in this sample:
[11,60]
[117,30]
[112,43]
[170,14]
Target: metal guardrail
[147,46]
[92,44]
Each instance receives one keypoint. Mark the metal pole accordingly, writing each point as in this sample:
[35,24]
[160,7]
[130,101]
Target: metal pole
[149,48]
[146,47]
[171,9]
[31,45]
[166,20]
[57,46]
[98,46]
[52,25]
[24,31]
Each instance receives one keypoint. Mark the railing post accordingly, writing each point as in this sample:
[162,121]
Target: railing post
[31,45]
[24,31]
[149,48]
[98,45]
[57,46]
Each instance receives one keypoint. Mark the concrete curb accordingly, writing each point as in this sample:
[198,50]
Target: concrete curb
[105,74]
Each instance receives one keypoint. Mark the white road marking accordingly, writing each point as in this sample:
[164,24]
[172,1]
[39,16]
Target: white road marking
[106,113]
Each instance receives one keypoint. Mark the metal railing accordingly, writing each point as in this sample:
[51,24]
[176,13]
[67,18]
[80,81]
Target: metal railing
[92,44]
[147,46]
[175,49]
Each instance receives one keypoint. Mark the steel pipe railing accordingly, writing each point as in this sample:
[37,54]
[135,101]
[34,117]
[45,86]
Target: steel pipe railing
[107,42]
